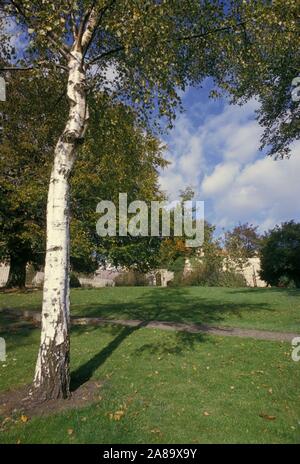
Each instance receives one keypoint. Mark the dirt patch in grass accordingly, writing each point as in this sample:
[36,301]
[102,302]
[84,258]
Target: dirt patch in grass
[20,404]
[19,290]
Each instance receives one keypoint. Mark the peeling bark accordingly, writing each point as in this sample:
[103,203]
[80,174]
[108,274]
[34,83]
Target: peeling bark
[52,378]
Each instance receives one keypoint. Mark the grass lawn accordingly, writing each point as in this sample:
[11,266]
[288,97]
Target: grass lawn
[259,308]
[171,388]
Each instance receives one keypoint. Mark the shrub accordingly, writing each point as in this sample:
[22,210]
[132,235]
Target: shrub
[177,267]
[205,275]
[280,255]
[286,282]
[74,281]
[232,279]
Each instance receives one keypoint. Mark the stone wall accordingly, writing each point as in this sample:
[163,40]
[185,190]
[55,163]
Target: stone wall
[250,272]
[105,277]
[4,271]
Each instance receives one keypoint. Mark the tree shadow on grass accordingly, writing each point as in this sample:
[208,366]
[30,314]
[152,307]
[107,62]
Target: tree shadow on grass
[169,305]
[84,373]
[271,291]
[175,346]
[12,327]
[173,305]
[180,343]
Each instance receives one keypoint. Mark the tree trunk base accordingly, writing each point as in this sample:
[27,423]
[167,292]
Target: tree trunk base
[52,380]
[17,274]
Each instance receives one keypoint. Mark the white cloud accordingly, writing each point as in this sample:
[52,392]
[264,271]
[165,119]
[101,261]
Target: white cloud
[264,192]
[221,179]
[228,135]
[171,184]
[234,133]
[220,156]
[186,157]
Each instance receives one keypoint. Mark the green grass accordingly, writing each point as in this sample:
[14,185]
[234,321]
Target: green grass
[259,308]
[164,381]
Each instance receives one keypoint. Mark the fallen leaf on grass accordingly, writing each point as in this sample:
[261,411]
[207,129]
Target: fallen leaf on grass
[24,418]
[7,419]
[70,431]
[267,416]
[206,413]
[116,415]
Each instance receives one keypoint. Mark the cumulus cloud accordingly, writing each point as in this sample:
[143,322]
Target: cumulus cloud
[265,192]
[221,179]
[186,158]
[220,156]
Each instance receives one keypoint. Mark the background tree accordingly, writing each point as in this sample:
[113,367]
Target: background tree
[280,255]
[209,262]
[173,251]
[242,243]
[129,157]
[192,264]
[261,61]
[25,164]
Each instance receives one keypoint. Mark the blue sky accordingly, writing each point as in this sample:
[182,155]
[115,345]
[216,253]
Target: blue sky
[214,148]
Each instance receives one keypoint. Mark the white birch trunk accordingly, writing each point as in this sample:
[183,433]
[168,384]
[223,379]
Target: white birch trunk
[52,379]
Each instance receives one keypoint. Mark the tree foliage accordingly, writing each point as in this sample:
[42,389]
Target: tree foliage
[242,243]
[116,149]
[153,49]
[26,157]
[261,61]
[280,255]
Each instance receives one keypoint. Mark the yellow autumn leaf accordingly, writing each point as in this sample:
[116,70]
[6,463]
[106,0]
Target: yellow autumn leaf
[116,415]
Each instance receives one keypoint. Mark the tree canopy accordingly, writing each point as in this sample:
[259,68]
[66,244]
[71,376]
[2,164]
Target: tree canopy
[262,62]
[116,149]
[242,243]
[280,255]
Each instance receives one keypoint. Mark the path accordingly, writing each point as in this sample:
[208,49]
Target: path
[191,328]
